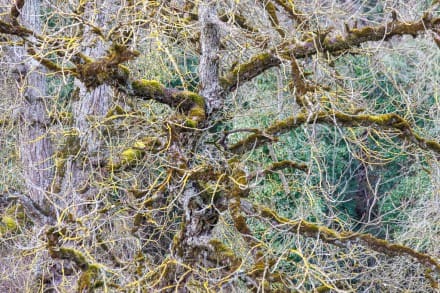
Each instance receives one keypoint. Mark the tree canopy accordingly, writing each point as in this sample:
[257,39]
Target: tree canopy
[220,146]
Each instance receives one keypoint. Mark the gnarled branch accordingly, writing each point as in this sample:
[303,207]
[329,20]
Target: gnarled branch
[342,239]
[390,121]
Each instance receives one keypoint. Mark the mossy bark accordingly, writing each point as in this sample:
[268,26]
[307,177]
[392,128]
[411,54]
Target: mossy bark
[347,239]
[391,121]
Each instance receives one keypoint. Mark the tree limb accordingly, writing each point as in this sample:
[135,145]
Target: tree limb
[342,239]
[332,43]
[33,210]
[390,121]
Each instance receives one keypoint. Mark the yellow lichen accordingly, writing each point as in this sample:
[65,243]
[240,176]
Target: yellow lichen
[131,155]
[10,223]
[12,219]
[191,123]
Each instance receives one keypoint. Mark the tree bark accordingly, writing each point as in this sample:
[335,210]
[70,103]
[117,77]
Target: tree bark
[194,247]
[35,144]
[82,167]
[210,58]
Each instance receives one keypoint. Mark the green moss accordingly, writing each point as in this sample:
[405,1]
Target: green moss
[86,58]
[131,155]
[149,88]
[71,254]
[60,163]
[196,114]
[177,248]
[134,154]
[322,289]
[117,110]
[122,73]
[221,249]
[248,66]
[87,279]
[191,123]
[194,98]
[138,219]
[241,225]
[9,223]
[246,71]
[12,219]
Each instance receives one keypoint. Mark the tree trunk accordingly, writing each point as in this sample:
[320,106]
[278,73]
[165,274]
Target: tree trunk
[83,165]
[35,144]
[194,247]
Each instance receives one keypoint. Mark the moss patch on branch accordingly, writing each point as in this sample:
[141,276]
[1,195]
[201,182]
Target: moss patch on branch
[332,43]
[189,103]
[246,71]
[148,88]
[345,239]
[390,120]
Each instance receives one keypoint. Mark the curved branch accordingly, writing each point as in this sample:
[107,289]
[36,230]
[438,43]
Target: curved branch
[109,70]
[342,239]
[16,9]
[247,71]
[297,15]
[279,166]
[332,43]
[33,210]
[391,121]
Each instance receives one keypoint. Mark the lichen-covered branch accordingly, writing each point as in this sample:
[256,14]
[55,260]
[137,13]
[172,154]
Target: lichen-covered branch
[248,70]
[90,272]
[188,102]
[16,9]
[110,70]
[390,121]
[333,43]
[32,209]
[342,239]
[356,36]
[271,10]
[294,13]
[16,30]
[285,164]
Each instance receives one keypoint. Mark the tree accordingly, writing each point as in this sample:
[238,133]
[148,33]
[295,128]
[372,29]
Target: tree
[200,146]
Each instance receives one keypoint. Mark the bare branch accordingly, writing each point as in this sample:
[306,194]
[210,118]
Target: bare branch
[209,60]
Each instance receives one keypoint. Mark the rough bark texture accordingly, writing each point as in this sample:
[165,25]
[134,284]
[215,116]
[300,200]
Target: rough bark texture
[209,60]
[35,145]
[80,163]
[36,150]
[192,181]
[194,245]
[92,105]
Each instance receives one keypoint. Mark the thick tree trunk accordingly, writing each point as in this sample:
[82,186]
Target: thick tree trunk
[194,247]
[210,87]
[35,144]
[36,150]
[79,168]
[83,167]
